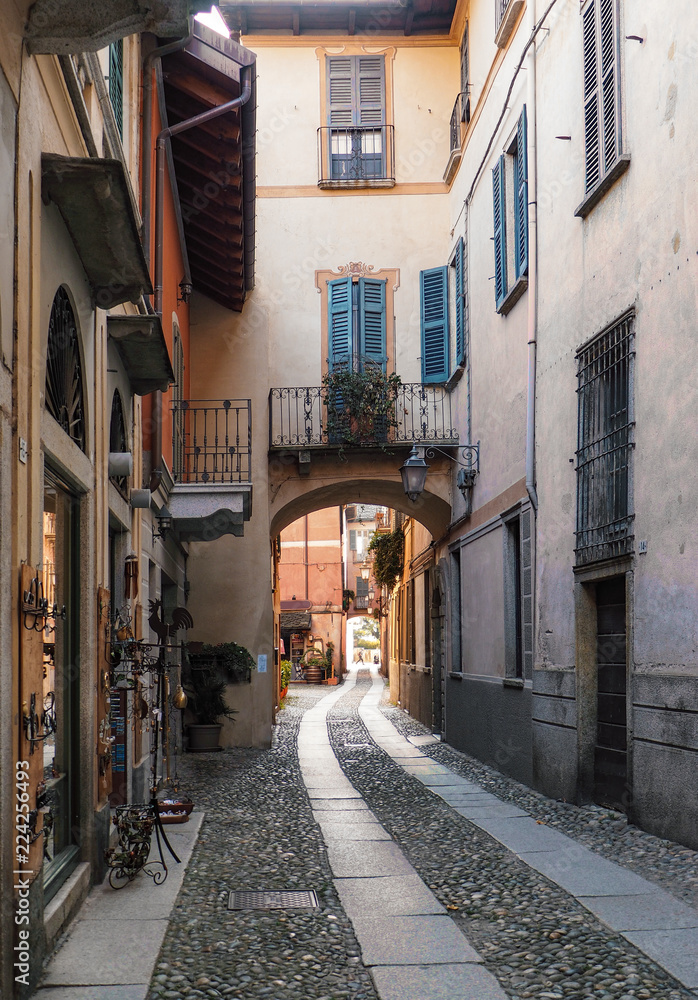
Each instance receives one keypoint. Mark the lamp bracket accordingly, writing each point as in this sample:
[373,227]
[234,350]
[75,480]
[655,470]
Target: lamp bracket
[470,453]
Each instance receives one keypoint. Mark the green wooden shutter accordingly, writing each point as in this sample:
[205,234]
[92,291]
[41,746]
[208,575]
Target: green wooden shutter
[339,320]
[372,320]
[500,232]
[370,96]
[592,113]
[340,76]
[460,301]
[610,89]
[464,63]
[521,194]
[434,301]
[116,82]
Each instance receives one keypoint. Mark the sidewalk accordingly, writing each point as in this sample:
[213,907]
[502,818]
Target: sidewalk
[416,900]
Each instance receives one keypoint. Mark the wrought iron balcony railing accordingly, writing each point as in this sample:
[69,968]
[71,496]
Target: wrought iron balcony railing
[500,11]
[211,441]
[360,603]
[298,418]
[358,154]
[459,116]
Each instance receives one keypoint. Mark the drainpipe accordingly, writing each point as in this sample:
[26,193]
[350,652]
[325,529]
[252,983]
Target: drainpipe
[532,262]
[160,157]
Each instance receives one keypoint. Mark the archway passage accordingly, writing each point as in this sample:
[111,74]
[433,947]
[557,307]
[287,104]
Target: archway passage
[296,496]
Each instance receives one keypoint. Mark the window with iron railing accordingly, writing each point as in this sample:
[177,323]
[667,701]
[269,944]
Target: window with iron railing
[605,426]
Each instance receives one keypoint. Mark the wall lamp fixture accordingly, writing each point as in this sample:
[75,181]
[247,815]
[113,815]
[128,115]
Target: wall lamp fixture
[185,288]
[164,519]
[414,470]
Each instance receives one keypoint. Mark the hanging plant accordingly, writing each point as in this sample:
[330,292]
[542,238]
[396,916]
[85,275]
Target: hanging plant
[388,554]
[361,405]
[347,597]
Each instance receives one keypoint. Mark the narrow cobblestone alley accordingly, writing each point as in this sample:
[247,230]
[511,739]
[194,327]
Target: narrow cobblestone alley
[259,833]
[495,927]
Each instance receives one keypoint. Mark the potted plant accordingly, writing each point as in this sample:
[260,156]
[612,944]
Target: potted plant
[313,664]
[361,403]
[286,671]
[207,701]
[347,598]
[230,659]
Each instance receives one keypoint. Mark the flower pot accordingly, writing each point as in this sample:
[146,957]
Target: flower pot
[283,693]
[203,738]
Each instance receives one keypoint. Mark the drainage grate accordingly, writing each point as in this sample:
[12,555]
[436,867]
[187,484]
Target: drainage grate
[272,899]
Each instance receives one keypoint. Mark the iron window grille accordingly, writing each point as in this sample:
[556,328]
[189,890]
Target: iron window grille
[605,426]
[500,10]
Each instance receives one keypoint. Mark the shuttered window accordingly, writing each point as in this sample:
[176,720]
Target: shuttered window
[461,313]
[356,116]
[500,231]
[116,82]
[356,322]
[434,304]
[521,196]
[602,119]
[510,215]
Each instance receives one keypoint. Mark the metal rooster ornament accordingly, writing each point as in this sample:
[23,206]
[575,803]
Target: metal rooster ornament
[181,618]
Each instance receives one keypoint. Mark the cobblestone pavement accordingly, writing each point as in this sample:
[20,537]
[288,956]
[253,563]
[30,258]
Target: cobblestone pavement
[259,833]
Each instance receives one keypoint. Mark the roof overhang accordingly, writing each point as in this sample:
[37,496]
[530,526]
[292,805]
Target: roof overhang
[204,512]
[353,17]
[214,163]
[73,26]
[141,344]
[94,197]
[297,621]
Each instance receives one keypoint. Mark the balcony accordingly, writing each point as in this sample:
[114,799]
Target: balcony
[211,467]
[358,156]
[360,604]
[459,116]
[506,14]
[298,418]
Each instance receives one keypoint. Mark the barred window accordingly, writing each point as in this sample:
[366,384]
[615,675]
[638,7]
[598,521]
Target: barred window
[604,434]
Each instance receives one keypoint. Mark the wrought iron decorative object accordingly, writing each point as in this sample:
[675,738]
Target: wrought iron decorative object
[32,723]
[135,824]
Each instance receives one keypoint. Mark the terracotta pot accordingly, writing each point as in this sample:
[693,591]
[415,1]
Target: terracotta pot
[283,693]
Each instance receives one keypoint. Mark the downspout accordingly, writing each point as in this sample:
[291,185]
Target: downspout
[160,158]
[532,261]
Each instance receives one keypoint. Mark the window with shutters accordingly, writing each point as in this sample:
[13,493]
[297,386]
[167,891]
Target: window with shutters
[356,143]
[604,159]
[444,313]
[356,323]
[518,594]
[510,214]
[116,82]
[604,435]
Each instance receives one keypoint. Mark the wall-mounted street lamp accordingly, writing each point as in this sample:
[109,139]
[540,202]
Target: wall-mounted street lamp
[185,290]
[414,470]
[164,519]
[365,571]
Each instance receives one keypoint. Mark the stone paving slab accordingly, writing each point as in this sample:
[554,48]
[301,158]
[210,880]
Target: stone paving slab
[439,982]
[357,859]
[135,992]
[479,814]
[354,831]
[436,780]
[583,873]
[337,805]
[412,941]
[655,911]
[419,769]
[323,816]
[94,953]
[420,741]
[324,794]
[400,895]
[675,950]
[523,834]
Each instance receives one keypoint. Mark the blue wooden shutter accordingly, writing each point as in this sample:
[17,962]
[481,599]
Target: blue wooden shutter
[521,194]
[372,320]
[340,104]
[460,301]
[500,233]
[434,298]
[370,97]
[592,116]
[339,320]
